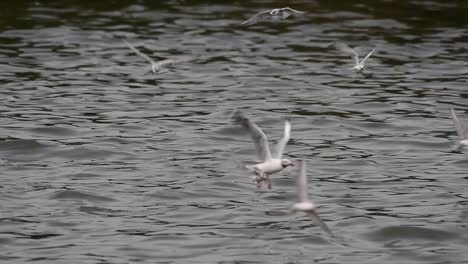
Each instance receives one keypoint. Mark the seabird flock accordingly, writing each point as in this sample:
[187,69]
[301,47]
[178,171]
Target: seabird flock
[268,162]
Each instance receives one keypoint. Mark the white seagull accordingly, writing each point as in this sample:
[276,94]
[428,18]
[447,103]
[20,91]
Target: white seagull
[358,65]
[273,15]
[304,204]
[156,66]
[269,163]
[462,132]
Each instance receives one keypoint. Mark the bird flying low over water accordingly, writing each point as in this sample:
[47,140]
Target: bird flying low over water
[462,132]
[156,66]
[304,204]
[269,163]
[276,14]
[358,65]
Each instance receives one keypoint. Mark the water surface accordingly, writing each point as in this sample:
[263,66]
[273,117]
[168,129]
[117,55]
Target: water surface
[102,163]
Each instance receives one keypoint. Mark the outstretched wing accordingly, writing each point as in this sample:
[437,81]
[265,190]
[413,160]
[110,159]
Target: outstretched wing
[301,183]
[259,138]
[367,56]
[139,53]
[292,10]
[175,60]
[350,51]
[316,219]
[262,16]
[458,125]
[283,141]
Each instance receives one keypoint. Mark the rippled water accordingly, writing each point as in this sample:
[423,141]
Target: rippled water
[104,164]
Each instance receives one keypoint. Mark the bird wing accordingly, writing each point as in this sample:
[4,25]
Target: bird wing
[458,125]
[301,183]
[262,16]
[174,60]
[139,53]
[283,141]
[350,51]
[292,10]
[259,138]
[316,219]
[367,56]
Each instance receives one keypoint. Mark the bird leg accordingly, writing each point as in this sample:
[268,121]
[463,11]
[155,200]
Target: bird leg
[259,179]
[259,184]
[263,178]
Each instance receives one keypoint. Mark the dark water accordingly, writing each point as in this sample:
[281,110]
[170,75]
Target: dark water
[101,163]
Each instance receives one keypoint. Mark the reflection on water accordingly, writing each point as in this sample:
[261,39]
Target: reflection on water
[102,163]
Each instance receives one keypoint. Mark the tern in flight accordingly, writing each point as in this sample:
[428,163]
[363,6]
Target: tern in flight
[276,14]
[156,66]
[462,132]
[358,65]
[269,163]
[304,204]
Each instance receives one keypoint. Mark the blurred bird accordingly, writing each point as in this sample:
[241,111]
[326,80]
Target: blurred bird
[276,14]
[462,132]
[156,66]
[304,204]
[269,163]
[358,65]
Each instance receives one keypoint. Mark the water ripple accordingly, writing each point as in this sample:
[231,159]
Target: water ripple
[102,163]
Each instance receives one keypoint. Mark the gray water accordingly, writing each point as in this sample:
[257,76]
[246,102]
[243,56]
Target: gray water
[102,163]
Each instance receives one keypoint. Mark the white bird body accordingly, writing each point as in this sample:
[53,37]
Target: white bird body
[358,65]
[267,167]
[462,131]
[304,204]
[269,163]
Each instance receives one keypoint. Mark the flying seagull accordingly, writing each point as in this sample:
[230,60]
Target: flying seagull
[156,66]
[462,132]
[304,204]
[358,65]
[269,163]
[271,15]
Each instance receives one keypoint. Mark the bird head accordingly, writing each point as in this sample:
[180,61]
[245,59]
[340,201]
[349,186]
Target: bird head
[285,163]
